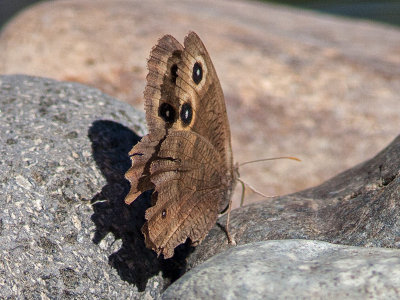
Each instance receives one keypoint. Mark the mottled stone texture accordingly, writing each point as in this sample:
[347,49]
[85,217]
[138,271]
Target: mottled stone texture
[65,230]
[293,269]
[62,158]
[357,207]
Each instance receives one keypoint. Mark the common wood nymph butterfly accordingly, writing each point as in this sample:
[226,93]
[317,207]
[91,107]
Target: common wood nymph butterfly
[186,157]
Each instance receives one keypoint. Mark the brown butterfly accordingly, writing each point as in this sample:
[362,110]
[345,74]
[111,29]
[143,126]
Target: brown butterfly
[186,157]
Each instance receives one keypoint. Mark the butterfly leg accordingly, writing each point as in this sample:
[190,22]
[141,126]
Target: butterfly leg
[231,240]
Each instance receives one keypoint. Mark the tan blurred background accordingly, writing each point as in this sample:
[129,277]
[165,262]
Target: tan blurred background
[323,88]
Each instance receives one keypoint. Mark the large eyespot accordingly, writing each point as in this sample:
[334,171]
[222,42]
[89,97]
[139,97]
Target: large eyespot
[166,112]
[197,74]
[186,113]
[174,73]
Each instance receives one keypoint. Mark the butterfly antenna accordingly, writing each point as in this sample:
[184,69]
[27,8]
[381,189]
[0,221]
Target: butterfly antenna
[272,158]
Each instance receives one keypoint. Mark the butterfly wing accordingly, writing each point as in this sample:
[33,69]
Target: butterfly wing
[160,100]
[198,84]
[186,157]
[187,181]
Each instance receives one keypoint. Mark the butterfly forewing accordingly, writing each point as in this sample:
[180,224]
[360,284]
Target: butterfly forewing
[160,86]
[186,157]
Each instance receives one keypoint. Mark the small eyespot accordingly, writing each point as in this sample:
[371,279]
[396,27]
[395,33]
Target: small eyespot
[174,73]
[186,113]
[197,74]
[166,112]
[164,214]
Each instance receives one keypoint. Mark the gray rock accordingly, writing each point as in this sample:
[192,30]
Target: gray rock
[62,159]
[66,232]
[293,269]
[358,207]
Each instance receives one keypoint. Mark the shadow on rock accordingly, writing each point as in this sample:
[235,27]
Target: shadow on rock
[111,143]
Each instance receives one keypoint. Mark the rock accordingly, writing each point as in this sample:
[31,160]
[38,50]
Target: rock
[296,82]
[62,160]
[358,207]
[293,269]
[64,224]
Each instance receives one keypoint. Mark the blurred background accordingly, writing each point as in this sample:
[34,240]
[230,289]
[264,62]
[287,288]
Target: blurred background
[319,80]
[8,8]
[381,11]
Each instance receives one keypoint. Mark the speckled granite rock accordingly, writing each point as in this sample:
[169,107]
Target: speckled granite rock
[51,176]
[296,82]
[65,231]
[293,269]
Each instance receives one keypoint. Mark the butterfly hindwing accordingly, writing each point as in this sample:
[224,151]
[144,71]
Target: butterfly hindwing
[186,157]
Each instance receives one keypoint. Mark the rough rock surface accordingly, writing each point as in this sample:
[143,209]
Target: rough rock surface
[293,269]
[65,230]
[357,207]
[64,147]
[296,82]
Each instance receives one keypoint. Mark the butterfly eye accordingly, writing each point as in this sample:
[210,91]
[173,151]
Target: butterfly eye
[166,112]
[174,73]
[197,75]
[163,214]
[186,113]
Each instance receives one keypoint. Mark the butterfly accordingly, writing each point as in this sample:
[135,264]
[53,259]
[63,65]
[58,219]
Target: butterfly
[186,158]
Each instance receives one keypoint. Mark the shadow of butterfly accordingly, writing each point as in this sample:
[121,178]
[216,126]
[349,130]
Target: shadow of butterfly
[187,156]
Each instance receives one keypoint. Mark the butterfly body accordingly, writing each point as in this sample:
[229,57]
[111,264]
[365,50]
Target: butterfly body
[186,157]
